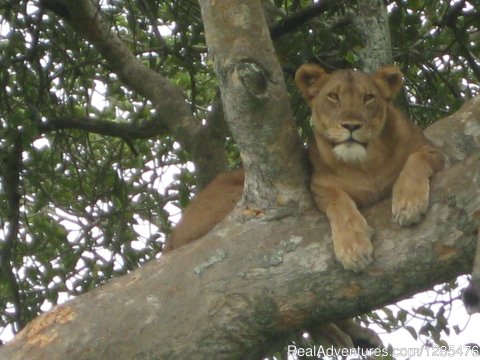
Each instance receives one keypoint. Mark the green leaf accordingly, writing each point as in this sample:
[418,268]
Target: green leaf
[423,310]
[412,331]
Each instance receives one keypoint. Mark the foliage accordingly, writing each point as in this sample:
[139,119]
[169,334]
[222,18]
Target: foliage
[92,206]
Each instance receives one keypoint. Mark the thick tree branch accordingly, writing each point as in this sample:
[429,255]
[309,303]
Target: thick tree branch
[228,294]
[372,22]
[173,111]
[255,102]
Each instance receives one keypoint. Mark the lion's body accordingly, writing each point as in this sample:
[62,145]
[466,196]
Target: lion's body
[207,209]
[363,147]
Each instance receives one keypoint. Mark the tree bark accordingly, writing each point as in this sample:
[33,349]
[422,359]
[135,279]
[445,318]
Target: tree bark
[372,22]
[255,101]
[247,282]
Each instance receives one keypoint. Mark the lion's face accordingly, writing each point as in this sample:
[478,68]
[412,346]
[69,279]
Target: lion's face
[349,112]
[348,107]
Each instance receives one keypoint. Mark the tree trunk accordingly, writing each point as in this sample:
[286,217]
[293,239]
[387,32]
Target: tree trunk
[255,102]
[246,283]
[372,22]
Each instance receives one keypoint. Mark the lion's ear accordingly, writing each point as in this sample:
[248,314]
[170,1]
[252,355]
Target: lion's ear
[309,79]
[389,81]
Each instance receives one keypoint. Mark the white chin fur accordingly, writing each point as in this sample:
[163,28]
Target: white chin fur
[350,152]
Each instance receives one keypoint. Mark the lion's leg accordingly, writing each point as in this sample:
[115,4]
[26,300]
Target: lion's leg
[350,232]
[411,191]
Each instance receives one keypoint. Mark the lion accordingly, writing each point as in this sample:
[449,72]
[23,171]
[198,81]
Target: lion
[363,149]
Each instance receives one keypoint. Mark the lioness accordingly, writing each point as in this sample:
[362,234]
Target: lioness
[362,147]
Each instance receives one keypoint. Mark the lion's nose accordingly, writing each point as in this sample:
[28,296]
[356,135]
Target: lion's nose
[351,126]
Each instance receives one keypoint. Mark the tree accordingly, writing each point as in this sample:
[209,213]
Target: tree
[78,177]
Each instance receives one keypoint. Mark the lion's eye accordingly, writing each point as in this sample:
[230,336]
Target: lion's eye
[368,98]
[332,97]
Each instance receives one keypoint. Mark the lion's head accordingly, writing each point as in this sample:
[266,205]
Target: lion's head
[348,107]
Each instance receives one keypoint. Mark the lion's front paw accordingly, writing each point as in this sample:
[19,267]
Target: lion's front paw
[352,245]
[410,200]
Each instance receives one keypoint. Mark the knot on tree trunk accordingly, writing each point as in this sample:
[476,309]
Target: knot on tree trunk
[253,76]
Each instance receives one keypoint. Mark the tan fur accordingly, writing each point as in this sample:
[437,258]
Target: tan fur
[362,148]
[207,209]
[389,152]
